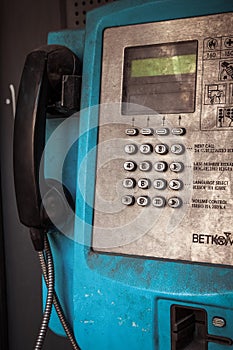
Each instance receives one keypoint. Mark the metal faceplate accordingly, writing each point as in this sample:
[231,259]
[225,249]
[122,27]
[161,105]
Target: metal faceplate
[180,206]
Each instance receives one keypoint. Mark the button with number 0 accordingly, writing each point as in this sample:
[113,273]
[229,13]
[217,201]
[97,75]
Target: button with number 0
[159,202]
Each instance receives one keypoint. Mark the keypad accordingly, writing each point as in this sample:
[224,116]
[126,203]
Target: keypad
[158,162]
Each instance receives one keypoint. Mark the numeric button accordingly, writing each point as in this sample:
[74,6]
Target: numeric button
[144,183]
[159,202]
[160,184]
[129,183]
[128,200]
[143,201]
[145,166]
[130,165]
[160,166]
[131,149]
[161,149]
[146,148]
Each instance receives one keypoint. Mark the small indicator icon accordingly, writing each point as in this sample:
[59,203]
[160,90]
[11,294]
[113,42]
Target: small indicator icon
[212,44]
[229,42]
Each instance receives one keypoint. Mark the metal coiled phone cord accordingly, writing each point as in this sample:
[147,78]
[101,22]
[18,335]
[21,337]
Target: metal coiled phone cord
[55,300]
[50,292]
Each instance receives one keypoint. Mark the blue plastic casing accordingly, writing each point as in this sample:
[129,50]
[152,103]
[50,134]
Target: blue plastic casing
[122,302]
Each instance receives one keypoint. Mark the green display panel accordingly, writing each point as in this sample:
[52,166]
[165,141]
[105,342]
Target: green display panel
[160,77]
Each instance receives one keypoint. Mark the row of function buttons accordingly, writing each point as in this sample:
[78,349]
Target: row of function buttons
[159,184]
[160,166]
[158,201]
[160,132]
[147,148]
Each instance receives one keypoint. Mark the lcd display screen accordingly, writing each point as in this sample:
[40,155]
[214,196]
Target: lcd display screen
[160,77]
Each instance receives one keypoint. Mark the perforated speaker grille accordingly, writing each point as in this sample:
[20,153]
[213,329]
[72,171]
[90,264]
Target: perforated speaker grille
[76,11]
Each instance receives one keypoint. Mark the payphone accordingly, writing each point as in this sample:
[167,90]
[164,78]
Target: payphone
[148,264]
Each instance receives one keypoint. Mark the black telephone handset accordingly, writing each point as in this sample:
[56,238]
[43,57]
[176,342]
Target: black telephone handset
[39,93]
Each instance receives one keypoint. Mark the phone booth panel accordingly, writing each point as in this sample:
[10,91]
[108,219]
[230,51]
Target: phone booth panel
[148,263]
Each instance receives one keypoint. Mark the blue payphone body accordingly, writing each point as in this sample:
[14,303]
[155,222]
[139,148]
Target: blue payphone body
[152,269]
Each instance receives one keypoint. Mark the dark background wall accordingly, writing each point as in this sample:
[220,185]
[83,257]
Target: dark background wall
[24,26]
